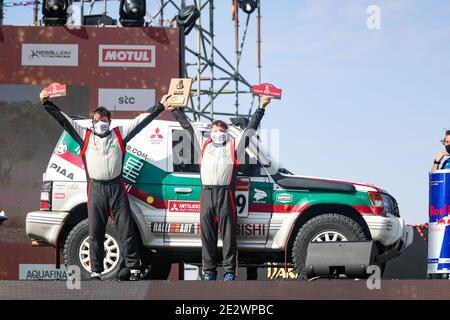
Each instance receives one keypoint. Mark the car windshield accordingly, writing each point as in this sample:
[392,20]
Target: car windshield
[260,151]
[260,146]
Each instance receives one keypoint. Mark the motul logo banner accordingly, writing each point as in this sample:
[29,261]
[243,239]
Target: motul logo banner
[126,56]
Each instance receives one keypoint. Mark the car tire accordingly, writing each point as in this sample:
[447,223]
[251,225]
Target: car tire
[76,241]
[334,224]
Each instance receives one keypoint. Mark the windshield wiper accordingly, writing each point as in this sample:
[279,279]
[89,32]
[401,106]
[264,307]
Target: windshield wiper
[285,171]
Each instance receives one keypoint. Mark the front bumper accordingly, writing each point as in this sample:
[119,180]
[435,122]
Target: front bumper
[390,232]
[45,226]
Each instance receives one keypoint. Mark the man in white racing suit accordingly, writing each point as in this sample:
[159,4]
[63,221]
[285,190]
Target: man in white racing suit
[103,151]
[218,163]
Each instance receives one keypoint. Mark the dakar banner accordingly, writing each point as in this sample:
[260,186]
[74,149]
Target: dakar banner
[126,70]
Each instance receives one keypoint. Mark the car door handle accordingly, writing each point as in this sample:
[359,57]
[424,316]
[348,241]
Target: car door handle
[183,190]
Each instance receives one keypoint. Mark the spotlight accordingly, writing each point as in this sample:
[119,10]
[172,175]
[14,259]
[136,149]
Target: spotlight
[132,13]
[248,6]
[54,5]
[186,18]
[55,12]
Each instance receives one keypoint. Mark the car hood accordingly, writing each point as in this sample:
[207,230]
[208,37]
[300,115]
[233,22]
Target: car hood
[321,184]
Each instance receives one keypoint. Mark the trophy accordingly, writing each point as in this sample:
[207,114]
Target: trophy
[267,89]
[180,90]
[56,89]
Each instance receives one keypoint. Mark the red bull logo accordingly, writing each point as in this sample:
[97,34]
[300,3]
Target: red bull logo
[437,212]
[444,221]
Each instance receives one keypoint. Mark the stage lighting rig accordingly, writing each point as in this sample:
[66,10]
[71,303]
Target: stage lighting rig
[248,6]
[187,17]
[55,12]
[132,13]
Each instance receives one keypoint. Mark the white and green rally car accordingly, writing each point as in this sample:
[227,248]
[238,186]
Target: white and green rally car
[279,213]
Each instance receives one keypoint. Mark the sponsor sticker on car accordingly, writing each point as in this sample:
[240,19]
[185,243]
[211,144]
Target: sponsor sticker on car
[162,227]
[259,196]
[251,229]
[60,195]
[184,206]
[284,197]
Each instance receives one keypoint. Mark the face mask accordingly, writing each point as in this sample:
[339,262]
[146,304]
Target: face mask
[101,127]
[447,147]
[219,137]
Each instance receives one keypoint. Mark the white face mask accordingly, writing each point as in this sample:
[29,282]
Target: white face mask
[101,127]
[219,137]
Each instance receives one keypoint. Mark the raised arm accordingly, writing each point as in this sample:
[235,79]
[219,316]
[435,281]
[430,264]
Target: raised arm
[76,131]
[186,125]
[253,124]
[438,159]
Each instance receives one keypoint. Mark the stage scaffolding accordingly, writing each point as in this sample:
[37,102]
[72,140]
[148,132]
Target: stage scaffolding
[216,74]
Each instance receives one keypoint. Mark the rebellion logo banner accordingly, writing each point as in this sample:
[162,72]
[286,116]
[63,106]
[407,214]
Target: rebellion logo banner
[34,54]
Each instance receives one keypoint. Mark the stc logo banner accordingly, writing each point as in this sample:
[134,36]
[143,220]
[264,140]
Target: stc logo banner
[126,99]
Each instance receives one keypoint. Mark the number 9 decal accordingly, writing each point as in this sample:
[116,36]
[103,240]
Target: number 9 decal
[241,194]
[241,202]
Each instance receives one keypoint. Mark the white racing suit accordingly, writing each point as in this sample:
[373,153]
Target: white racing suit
[102,157]
[218,169]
